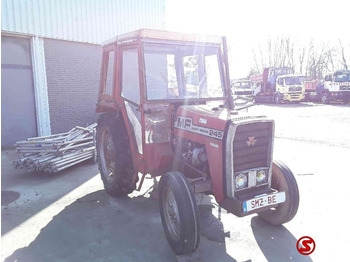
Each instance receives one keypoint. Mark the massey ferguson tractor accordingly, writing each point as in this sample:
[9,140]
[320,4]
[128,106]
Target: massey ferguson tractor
[167,110]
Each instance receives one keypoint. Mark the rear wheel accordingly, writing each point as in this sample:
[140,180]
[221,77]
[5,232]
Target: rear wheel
[282,180]
[325,98]
[258,98]
[179,213]
[113,155]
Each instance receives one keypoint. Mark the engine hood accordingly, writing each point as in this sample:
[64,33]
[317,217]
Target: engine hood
[206,120]
[214,128]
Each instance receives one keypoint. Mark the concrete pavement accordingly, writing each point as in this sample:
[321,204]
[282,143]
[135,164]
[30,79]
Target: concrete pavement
[69,217]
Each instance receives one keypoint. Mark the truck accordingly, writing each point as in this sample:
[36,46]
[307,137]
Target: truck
[166,110]
[242,88]
[335,87]
[278,85]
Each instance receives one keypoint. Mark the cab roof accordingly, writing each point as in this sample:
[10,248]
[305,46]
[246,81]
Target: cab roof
[162,35]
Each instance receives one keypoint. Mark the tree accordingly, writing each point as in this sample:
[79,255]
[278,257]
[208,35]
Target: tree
[278,52]
[344,61]
[313,59]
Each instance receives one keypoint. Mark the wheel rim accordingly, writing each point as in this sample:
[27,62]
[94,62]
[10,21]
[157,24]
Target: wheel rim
[277,100]
[107,155]
[276,183]
[324,98]
[171,214]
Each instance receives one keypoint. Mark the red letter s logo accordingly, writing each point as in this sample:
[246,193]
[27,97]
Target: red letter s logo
[306,245]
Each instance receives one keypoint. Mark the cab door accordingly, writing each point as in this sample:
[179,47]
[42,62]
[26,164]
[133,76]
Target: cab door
[160,87]
[130,100]
[106,93]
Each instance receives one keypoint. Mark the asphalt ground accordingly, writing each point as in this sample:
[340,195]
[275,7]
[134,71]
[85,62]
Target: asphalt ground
[69,217]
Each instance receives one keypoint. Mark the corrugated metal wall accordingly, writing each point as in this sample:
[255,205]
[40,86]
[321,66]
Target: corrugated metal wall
[90,21]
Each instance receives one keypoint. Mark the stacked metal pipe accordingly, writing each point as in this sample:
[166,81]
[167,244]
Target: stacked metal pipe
[57,152]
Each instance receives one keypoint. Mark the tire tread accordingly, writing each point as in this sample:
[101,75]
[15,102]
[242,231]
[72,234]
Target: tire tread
[188,211]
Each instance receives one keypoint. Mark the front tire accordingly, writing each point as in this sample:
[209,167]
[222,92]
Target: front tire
[277,99]
[179,213]
[282,180]
[113,155]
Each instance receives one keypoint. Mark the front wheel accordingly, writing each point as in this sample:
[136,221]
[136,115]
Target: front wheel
[282,180]
[277,99]
[179,213]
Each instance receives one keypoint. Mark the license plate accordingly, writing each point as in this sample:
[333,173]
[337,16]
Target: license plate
[263,201]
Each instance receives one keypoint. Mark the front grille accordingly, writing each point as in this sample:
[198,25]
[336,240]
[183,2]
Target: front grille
[252,146]
[240,93]
[295,95]
[295,88]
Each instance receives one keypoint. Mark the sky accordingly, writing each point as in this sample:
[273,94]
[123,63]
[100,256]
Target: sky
[249,23]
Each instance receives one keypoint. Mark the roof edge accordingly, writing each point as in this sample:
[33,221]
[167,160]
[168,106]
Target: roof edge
[163,35]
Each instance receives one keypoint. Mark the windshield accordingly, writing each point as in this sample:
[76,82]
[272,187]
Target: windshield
[243,85]
[281,71]
[343,77]
[182,72]
[294,80]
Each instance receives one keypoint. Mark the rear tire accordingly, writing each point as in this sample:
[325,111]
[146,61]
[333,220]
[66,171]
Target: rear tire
[113,155]
[325,98]
[282,180]
[258,98]
[179,213]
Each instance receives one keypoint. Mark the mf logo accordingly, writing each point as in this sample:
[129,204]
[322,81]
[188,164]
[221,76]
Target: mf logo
[183,122]
[251,141]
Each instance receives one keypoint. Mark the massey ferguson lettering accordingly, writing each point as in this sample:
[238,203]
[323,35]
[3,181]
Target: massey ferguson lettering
[185,123]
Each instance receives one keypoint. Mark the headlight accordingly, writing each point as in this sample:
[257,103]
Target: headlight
[261,176]
[241,181]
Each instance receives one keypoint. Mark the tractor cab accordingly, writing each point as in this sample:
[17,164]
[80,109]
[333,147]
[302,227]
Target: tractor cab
[154,72]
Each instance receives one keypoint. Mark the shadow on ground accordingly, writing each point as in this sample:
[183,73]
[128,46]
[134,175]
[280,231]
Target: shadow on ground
[276,242]
[97,227]
[26,194]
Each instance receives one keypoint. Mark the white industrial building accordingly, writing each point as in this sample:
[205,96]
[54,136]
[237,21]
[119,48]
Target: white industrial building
[51,59]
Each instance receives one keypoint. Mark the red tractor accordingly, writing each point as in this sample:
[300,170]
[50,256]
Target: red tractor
[168,111]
